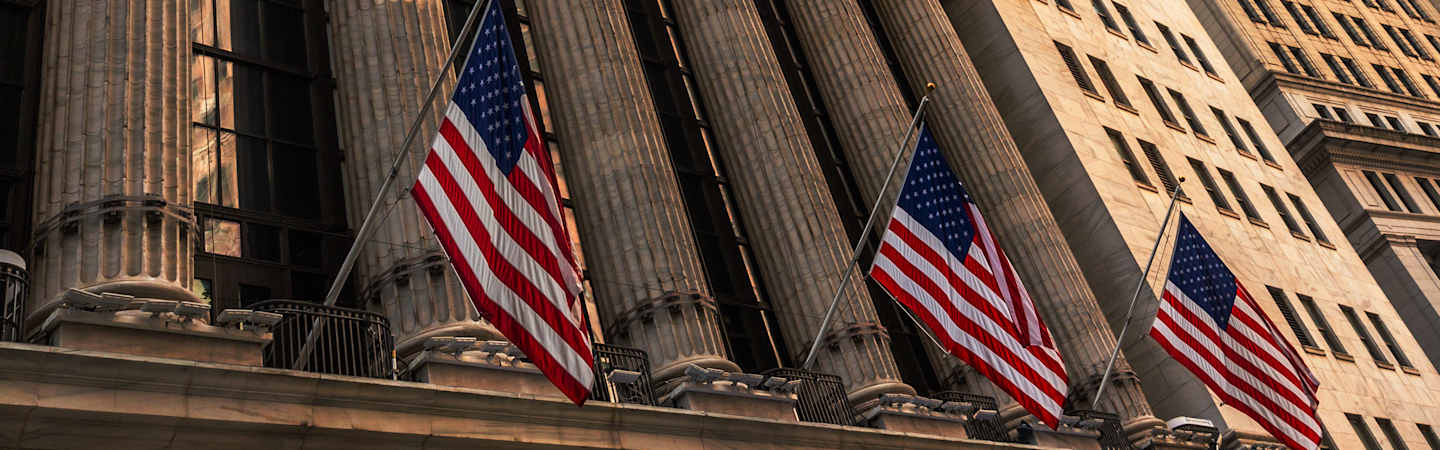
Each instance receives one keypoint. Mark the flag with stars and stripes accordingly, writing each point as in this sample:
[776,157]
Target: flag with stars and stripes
[488,190]
[1209,322]
[939,259]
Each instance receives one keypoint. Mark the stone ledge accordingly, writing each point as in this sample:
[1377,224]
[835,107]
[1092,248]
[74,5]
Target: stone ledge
[64,398]
[157,335]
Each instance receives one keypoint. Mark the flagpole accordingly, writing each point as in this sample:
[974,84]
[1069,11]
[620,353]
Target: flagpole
[869,224]
[367,225]
[1130,313]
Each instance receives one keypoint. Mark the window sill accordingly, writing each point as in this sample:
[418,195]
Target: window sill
[1325,244]
[1274,164]
[1410,370]
[1127,108]
[1215,76]
[1174,126]
[1259,223]
[1300,236]
[1187,65]
[1146,46]
[1146,187]
[1384,365]
[1345,357]
[1118,33]
[1205,137]
[1313,350]
[1227,212]
[1246,154]
[1094,95]
[1071,12]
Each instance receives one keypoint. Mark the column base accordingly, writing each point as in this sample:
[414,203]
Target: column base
[152,288]
[162,335]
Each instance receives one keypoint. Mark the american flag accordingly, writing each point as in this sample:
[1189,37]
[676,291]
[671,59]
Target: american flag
[940,260]
[488,190]
[1209,322]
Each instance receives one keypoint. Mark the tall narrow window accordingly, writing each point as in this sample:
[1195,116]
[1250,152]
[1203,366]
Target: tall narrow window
[1105,17]
[1162,170]
[1357,72]
[1288,313]
[1174,43]
[1127,157]
[1299,18]
[1362,431]
[1229,129]
[1208,182]
[1426,128]
[1335,68]
[1407,82]
[1240,197]
[1250,11]
[1111,84]
[1430,438]
[1395,124]
[1322,110]
[1399,42]
[1284,58]
[1269,13]
[1364,333]
[1283,211]
[1350,30]
[1389,340]
[1130,23]
[1419,10]
[1381,190]
[1341,114]
[1159,102]
[1308,218]
[1319,21]
[1189,114]
[1369,34]
[1432,83]
[1391,434]
[1415,44]
[1304,62]
[1322,325]
[1430,192]
[1255,140]
[1434,42]
[1199,55]
[1406,7]
[1076,70]
[1402,192]
[1375,120]
[1065,5]
[1389,79]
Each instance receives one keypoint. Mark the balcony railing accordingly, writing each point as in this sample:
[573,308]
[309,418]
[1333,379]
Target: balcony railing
[822,397]
[1112,435]
[349,341]
[622,375]
[988,427]
[14,289]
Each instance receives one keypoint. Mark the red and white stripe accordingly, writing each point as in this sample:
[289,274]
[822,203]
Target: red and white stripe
[1249,365]
[978,309]
[507,242]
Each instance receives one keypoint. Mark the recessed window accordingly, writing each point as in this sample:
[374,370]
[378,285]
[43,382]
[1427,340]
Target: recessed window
[1375,120]
[1395,124]
[1426,128]
[1162,169]
[1240,197]
[1284,58]
[1369,34]
[1401,191]
[1319,21]
[1415,44]
[1208,182]
[1288,313]
[1388,78]
[1174,43]
[1362,431]
[1430,438]
[1283,211]
[1384,192]
[1269,13]
[1130,23]
[1299,18]
[1105,17]
[1159,102]
[1310,222]
[1065,5]
[1111,84]
[1322,325]
[1250,11]
[1357,72]
[1434,42]
[1350,30]
[1255,139]
[1430,192]
[1341,114]
[1229,128]
[1432,82]
[1391,434]
[1322,111]
[1389,340]
[1304,62]
[1399,42]
[1127,157]
[1364,333]
[1189,114]
[1199,55]
[1407,82]
[1077,71]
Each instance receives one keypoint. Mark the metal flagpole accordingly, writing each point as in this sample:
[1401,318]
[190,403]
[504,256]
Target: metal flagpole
[1130,313]
[367,225]
[869,224]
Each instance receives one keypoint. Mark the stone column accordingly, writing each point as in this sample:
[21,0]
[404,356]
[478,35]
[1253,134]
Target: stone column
[112,191]
[385,54]
[799,242]
[640,255]
[974,138]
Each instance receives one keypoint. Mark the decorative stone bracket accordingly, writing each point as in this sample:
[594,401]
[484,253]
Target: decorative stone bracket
[915,414]
[159,328]
[740,394]
[471,363]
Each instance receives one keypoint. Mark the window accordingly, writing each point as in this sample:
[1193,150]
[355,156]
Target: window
[1375,120]
[1407,82]
[1105,17]
[1308,218]
[1159,102]
[1322,325]
[1362,431]
[1341,114]
[1199,55]
[1420,11]
[1174,44]
[1127,157]
[1434,42]
[1356,72]
[1288,313]
[1350,30]
[1408,10]
[1432,82]
[1415,44]
[1162,170]
[1321,110]
[1369,34]
[1269,13]
[1426,128]
[1381,190]
[1284,58]
[1304,62]
[1402,192]
[1280,209]
[1255,140]
[1365,339]
[1335,68]
[1076,70]
[1395,123]
[1319,21]
[1430,192]
[1130,23]
[1229,129]
[1065,5]
[1111,84]
[1299,18]
[1210,188]
[1389,340]
[1239,193]
[1430,438]
[1189,114]
[1251,11]
[1385,75]
[1391,434]
[1399,42]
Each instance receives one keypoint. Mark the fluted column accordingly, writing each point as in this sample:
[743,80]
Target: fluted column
[112,191]
[785,205]
[640,254]
[974,138]
[385,54]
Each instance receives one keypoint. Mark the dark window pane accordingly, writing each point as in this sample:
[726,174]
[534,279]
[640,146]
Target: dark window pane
[308,286]
[238,26]
[290,108]
[249,295]
[9,123]
[246,107]
[305,249]
[297,192]
[285,36]
[262,242]
[254,174]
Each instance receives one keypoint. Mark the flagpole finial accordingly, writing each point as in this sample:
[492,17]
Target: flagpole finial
[1182,179]
[929,87]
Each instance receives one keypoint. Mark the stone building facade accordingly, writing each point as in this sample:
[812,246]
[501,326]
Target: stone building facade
[717,160]
[1351,88]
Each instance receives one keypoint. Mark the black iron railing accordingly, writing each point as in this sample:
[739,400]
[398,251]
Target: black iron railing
[984,427]
[349,341]
[1112,435]
[14,287]
[622,375]
[822,397]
